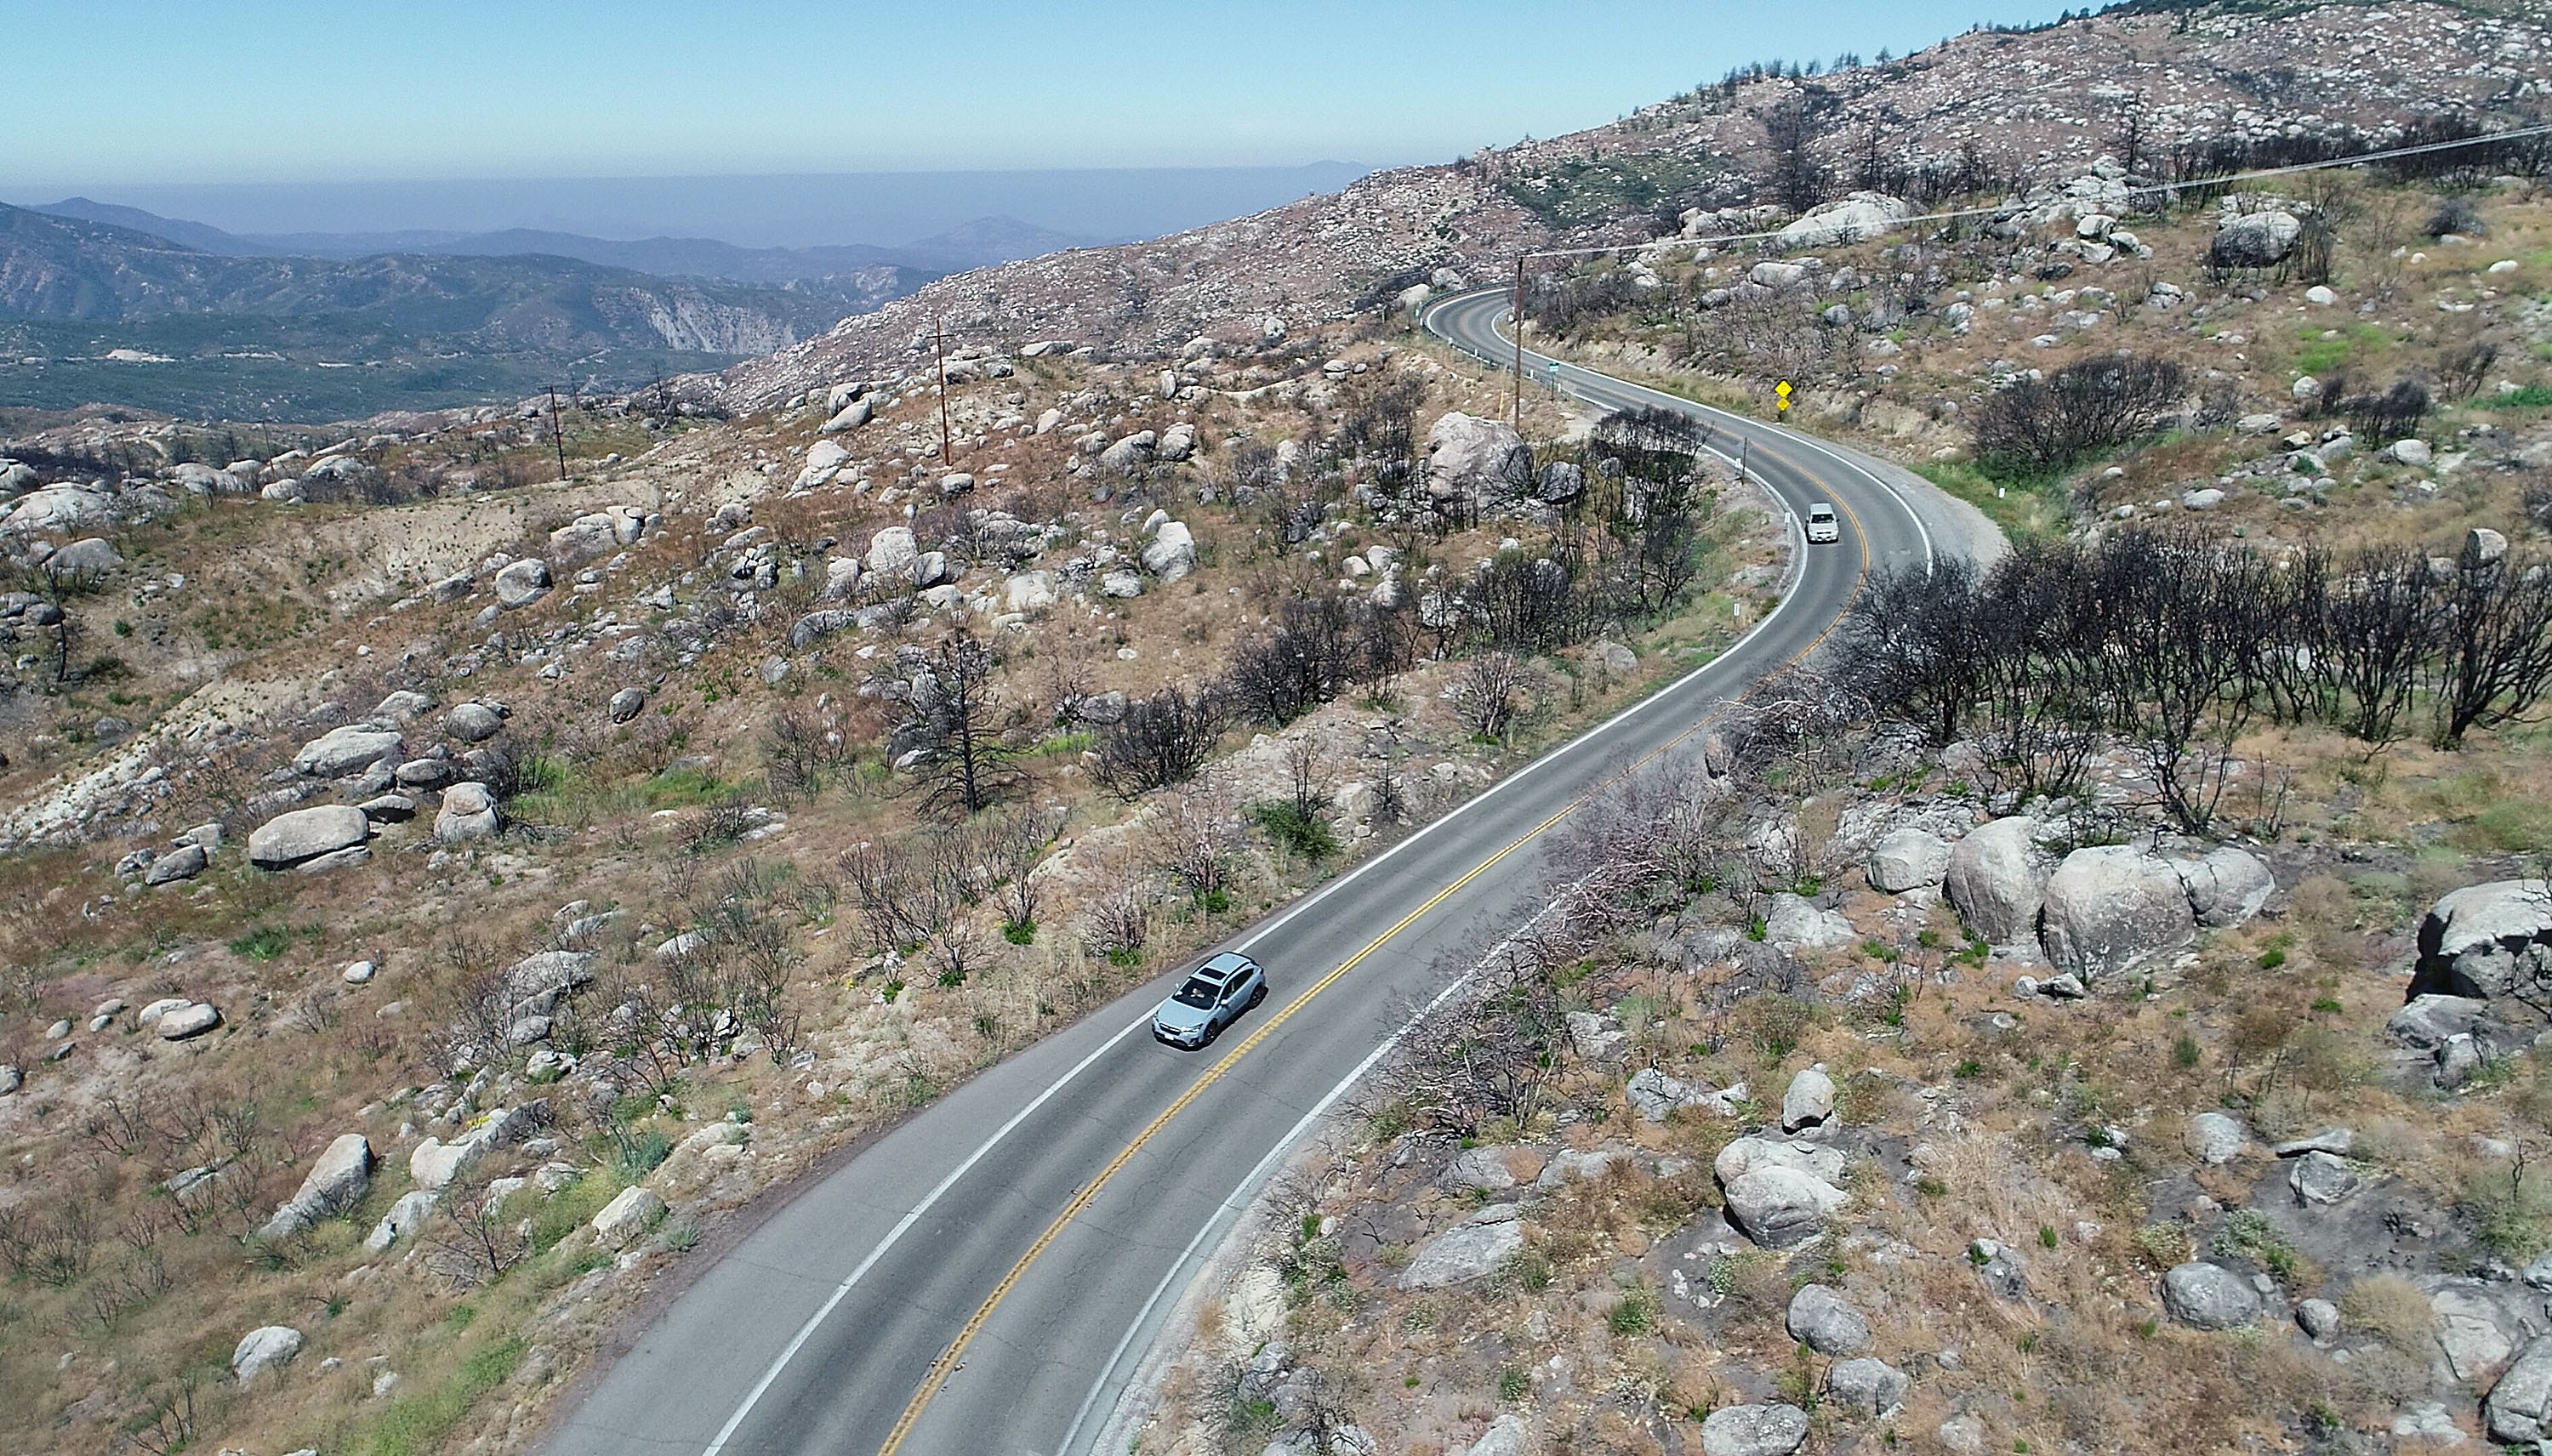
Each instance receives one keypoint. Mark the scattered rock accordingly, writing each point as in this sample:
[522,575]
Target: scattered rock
[185,861]
[1478,460]
[1460,1255]
[473,722]
[405,1217]
[2216,1138]
[342,751]
[1753,1430]
[2226,885]
[627,704]
[2112,908]
[1908,859]
[189,1021]
[300,836]
[1810,1100]
[1825,1323]
[2318,1319]
[1997,879]
[2320,1178]
[263,1347]
[2520,1407]
[2210,1297]
[2255,239]
[336,1182]
[1778,1207]
[522,582]
[469,812]
[2487,940]
[1867,1386]
[627,1216]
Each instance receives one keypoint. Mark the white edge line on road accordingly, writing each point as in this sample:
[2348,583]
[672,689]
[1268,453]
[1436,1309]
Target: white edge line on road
[1246,1190]
[806,1331]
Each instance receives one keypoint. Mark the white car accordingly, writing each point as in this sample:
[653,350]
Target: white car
[1822,530]
[1212,997]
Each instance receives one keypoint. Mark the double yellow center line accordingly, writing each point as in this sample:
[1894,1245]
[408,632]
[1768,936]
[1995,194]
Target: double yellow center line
[949,1359]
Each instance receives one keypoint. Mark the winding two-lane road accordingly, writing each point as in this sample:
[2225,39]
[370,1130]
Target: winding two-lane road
[1042,1218]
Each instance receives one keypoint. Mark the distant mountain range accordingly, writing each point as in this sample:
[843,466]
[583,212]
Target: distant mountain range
[95,311]
[970,245]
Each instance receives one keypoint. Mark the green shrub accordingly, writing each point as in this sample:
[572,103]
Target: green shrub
[264,943]
[1295,829]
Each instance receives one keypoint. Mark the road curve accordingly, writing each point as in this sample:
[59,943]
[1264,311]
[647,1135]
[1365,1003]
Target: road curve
[1045,1215]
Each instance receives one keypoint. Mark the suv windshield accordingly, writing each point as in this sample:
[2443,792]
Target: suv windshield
[1818,513]
[1198,991]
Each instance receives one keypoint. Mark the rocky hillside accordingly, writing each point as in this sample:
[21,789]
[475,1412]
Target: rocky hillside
[2177,90]
[404,843]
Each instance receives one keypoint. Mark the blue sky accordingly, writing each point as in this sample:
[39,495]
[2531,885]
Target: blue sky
[107,92]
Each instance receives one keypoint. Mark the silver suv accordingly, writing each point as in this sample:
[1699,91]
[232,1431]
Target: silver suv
[1822,530]
[1212,997]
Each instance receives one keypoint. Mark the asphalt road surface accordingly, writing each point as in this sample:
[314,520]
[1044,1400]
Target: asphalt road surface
[985,1278]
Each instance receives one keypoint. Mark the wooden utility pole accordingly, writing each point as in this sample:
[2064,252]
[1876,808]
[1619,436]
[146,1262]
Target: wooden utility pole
[1515,322]
[557,437]
[939,346]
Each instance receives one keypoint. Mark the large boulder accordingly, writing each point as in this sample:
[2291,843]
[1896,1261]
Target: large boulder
[1854,219]
[1867,1386]
[265,1347]
[1753,1430]
[2213,1137]
[1778,1207]
[406,1216]
[2487,940]
[1810,1100]
[2205,1296]
[473,722]
[302,835]
[1825,1323]
[1482,461]
[1171,554]
[894,549]
[1795,923]
[342,751]
[2520,1407]
[2255,239]
[1744,1154]
[2225,886]
[1908,859]
[189,1021]
[632,1213]
[2113,907]
[1997,879]
[469,812]
[1508,1435]
[849,417]
[185,861]
[336,1182]
[1460,1255]
[522,582]
[584,538]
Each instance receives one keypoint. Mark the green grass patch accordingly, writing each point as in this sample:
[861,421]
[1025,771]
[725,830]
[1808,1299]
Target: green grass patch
[2533,396]
[2024,507]
[686,787]
[265,943]
[419,1424]
[2356,342]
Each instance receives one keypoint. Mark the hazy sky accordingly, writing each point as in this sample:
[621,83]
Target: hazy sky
[103,92]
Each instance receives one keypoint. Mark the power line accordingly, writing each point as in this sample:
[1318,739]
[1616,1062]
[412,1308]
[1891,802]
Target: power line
[2003,208]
